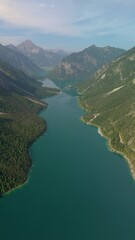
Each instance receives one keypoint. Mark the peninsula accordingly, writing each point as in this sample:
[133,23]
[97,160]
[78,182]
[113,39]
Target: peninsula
[19,123]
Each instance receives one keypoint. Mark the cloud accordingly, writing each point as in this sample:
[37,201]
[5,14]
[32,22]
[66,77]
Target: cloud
[45,17]
[74,18]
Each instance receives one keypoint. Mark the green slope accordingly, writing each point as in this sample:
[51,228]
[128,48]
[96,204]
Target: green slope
[109,98]
[19,126]
[19,123]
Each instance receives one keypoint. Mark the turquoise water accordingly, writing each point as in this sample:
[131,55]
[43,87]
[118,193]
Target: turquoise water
[48,83]
[77,188]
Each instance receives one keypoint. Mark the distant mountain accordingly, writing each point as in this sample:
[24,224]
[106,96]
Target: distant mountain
[80,66]
[43,58]
[109,98]
[59,52]
[17,60]
[12,47]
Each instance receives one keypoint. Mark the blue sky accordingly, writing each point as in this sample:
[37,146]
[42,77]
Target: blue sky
[68,24]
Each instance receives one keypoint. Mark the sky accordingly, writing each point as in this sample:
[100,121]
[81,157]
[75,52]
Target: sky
[68,24]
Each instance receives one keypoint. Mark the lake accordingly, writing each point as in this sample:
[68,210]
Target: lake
[77,189]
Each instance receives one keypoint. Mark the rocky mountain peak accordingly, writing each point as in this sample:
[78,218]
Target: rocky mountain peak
[28,47]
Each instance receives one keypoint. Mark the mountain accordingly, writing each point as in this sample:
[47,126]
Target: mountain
[19,61]
[19,123]
[80,66]
[14,80]
[43,58]
[109,98]
[59,52]
[12,47]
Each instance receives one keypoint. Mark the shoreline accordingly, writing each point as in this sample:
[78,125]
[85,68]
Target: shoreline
[110,147]
[28,153]
[43,131]
[14,189]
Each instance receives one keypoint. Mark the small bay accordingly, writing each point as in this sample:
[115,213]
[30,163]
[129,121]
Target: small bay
[77,189]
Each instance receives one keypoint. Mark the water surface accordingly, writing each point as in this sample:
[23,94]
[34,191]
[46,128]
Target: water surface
[77,189]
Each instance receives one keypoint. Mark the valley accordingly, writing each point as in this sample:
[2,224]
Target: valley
[67,120]
[107,97]
[74,181]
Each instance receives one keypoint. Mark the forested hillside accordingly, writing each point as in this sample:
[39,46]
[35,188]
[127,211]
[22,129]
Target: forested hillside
[109,98]
[19,123]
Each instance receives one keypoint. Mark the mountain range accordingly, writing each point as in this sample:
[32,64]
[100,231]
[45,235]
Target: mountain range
[41,57]
[106,78]
[80,66]
[109,99]
[19,61]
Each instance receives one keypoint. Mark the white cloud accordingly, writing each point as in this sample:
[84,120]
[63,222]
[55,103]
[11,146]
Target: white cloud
[46,17]
[64,17]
